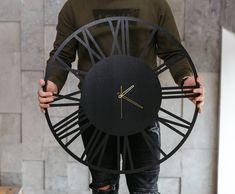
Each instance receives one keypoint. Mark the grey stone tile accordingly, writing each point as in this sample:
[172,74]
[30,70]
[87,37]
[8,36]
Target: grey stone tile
[228,15]
[56,183]
[11,158]
[205,132]
[10,128]
[78,176]
[49,139]
[199,171]
[52,8]
[202,33]
[169,138]
[49,38]
[10,81]
[32,119]
[11,179]
[55,191]
[178,7]
[172,167]
[172,105]
[32,191]
[76,148]
[81,192]
[33,174]
[169,185]
[6,11]
[32,36]
[55,162]
[9,37]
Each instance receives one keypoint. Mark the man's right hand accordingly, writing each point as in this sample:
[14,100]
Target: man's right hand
[45,98]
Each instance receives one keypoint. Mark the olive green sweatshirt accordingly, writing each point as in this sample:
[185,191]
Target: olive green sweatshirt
[76,13]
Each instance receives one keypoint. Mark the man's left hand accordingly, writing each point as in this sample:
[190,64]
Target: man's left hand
[200,99]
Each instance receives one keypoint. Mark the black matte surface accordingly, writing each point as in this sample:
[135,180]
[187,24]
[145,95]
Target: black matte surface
[100,99]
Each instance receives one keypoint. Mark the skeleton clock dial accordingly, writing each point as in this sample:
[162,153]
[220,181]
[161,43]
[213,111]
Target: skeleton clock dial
[121,96]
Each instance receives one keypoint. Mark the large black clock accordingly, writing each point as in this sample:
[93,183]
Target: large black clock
[121,96]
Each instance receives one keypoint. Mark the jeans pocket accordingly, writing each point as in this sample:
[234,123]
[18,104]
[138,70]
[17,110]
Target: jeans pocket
[155,130]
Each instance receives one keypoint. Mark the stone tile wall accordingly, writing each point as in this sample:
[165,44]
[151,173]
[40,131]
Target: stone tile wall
[30,156]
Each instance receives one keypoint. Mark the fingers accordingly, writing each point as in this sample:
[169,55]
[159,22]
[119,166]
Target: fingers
[199,100]
[44,98]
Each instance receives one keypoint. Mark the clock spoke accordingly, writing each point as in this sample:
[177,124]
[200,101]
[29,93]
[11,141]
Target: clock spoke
[90,143]
[92,46]
[75,121]
[148,44]
[68,96]
[173,60]
[89,152]
[75,72]
[187,123]
[151,146]
[65,119]
[82,130]
[102,147]
[178,92]
[167,123]
[127,154]
[174,123]
[64,104]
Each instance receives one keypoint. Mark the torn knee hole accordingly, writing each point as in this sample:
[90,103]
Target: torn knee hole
[104,188]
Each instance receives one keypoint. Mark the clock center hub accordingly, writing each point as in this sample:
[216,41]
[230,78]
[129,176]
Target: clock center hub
[121,95]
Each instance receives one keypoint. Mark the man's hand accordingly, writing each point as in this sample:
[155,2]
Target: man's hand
[199,100]
[45,98]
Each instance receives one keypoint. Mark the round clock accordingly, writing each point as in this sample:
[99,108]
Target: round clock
[121,96]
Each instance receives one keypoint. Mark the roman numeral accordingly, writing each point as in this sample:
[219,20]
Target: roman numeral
[150,145]
[149,44]
[170,124]
[67,127]
[127,154]
[121,37]
[92,46]
[95,147]
[75,101]
[178,92]
[75,72]
[163,67]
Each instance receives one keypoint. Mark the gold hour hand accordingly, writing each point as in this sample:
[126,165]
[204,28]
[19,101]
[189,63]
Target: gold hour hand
[132,102]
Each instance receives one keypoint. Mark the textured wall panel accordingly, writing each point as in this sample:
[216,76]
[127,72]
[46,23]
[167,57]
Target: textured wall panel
[10,128]
[10,81]
[10,10]
[52,8]
[202,33]
[32,118]
[32,36]
[199,171]
[228,15]
[178,7]
[205,132]
[33,174]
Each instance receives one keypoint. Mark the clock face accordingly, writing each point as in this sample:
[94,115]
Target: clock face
[121,95]
[120,98]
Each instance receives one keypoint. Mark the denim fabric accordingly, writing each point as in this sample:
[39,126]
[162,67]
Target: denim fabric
[144,182]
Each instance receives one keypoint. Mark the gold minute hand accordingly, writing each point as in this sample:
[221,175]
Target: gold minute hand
[126,91]
[133,102]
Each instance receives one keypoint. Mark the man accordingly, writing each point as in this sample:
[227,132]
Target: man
[75,14]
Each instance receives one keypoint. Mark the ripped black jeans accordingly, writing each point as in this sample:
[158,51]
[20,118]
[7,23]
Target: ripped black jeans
[144,182]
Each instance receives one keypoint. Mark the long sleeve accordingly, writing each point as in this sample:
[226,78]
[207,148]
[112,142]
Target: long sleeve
[66,26]
[167,50]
